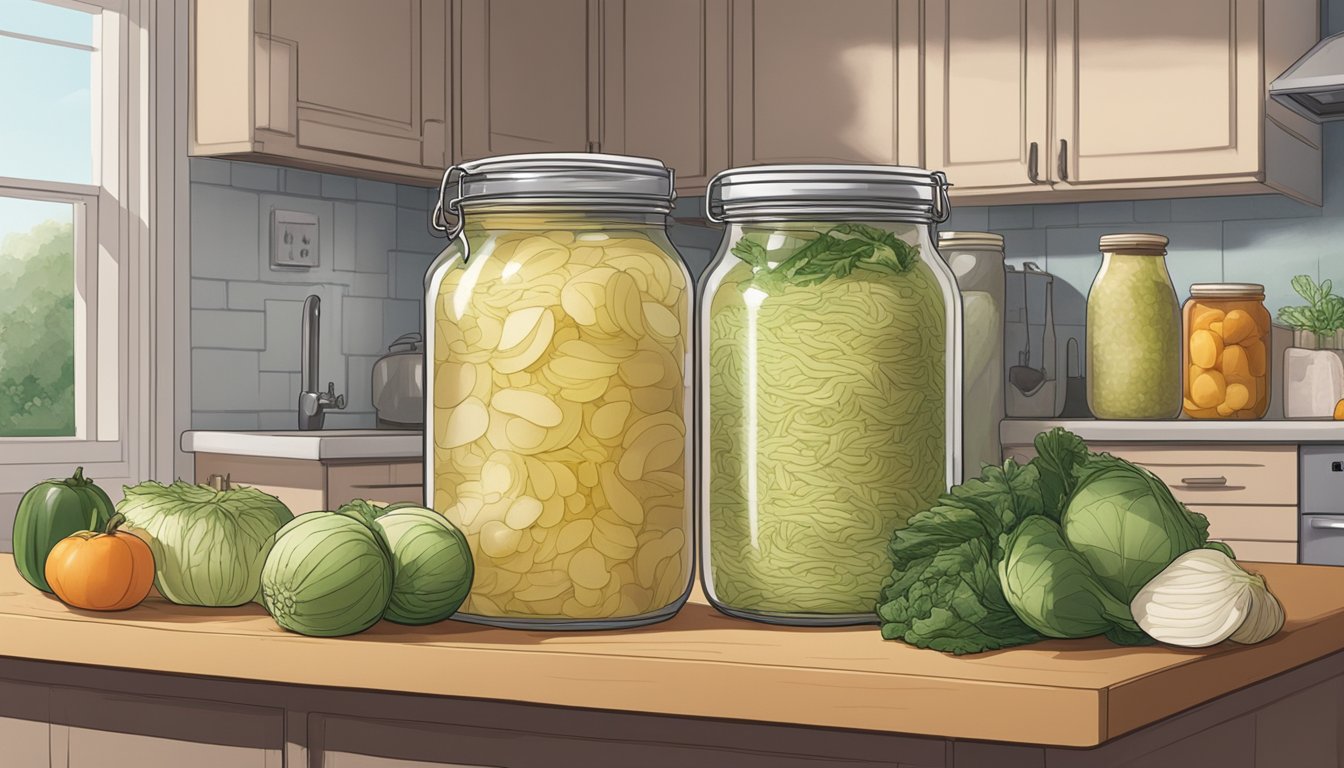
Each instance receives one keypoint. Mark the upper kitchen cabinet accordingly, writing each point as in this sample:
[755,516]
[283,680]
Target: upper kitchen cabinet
[826,82]
[341,85]
[527,75]
[1055,100]
[664,84]
[988,98]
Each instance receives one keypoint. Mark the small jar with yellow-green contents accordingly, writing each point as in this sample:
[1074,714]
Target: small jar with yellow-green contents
[830,367]
[1133,332]
[559,424]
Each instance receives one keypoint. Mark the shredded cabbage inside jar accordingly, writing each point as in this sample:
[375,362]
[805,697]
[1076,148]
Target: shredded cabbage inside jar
[826,422]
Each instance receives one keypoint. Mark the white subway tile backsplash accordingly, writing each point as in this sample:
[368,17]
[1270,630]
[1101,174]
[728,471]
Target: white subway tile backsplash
[360,377]
[406,274]
[224,380]
[283,323]
[226,420]
[343,237]
[414,197]
[207,170]
[299,182]
[277,391]
[368,284]
[1152,210]
[254,176]
[362,326]
[1057,215]
[375,235]
[338,187]
[253,296]
[376,191]
[413,233]
[225,329]
[224,224]
[1011,217]
[970,218]
[209,294]
[1105,213]
[400,317]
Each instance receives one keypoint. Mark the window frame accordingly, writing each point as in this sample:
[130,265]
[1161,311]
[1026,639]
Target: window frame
[127,408]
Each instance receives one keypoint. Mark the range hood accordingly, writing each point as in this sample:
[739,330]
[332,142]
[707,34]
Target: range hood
[1314,86]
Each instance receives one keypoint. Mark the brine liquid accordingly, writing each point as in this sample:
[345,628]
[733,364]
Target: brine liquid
[560,424]
[827,432]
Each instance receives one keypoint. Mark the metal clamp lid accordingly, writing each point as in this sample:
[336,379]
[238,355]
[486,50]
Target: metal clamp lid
[839,190]
[569,180]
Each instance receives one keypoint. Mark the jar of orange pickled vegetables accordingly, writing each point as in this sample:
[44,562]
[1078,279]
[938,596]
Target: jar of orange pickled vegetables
[558,424]
[1226,351]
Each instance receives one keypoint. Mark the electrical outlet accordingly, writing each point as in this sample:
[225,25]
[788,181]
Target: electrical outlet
[294,240]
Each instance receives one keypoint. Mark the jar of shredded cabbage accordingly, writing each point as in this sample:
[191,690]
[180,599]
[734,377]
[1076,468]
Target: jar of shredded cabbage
[831,383]
[558,425]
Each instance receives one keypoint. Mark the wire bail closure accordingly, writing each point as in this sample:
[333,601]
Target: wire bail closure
[437,220]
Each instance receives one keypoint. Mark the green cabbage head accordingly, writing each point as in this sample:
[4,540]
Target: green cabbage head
[209,543]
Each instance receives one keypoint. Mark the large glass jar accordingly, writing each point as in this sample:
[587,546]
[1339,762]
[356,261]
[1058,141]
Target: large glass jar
[831,385]
[1133,332]
[976,258]
[558,431]
[1227,357]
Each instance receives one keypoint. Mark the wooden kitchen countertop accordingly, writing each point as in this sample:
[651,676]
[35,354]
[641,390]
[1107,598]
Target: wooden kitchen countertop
[1066,693]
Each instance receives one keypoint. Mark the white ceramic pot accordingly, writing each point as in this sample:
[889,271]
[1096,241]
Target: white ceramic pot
[1313,382]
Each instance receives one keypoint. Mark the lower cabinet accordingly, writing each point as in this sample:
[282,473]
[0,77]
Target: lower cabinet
[1248,492]
[305,485]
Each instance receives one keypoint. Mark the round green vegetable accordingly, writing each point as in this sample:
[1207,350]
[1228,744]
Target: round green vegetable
[49,512]
[431,565]
[209,541]
[329,574]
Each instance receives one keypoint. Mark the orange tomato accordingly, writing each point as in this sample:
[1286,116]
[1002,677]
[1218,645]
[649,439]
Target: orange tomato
[109,571]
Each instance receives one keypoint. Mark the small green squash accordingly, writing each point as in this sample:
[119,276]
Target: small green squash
[51,511]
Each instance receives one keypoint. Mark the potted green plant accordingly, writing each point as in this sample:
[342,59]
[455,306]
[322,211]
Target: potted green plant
[1313,368]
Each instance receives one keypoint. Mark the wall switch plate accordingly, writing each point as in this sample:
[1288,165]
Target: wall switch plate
[294,240]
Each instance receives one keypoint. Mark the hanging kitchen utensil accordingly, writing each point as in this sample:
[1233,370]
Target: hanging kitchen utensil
[1036,392]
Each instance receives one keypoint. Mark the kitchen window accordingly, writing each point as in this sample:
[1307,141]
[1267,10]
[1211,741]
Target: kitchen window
[78,226]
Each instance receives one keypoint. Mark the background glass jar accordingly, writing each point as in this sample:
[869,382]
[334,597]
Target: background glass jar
[1227,359]
[830,384]
[976,258]
[1133,332]
[559,427]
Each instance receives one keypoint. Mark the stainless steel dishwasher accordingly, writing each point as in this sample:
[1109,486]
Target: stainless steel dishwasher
[1321,531]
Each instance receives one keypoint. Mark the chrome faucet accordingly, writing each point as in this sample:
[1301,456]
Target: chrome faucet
[313,404]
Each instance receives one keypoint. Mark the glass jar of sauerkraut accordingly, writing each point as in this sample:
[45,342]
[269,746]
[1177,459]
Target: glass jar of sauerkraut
[558,430]
[1133,332]
[831,383]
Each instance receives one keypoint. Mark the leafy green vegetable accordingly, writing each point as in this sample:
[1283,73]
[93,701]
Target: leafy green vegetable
[209,543]
[1054,589]
[837,252]
[1055,548]
[1324,312]
[1126,524]
[944,589]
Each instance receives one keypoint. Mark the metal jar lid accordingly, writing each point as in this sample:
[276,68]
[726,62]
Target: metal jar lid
[582,180]
[765,192]
[1227,291]
[970,241]
[1143,244]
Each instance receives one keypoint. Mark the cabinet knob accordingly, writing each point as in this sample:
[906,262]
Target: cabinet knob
[1063,159]
[1033,163]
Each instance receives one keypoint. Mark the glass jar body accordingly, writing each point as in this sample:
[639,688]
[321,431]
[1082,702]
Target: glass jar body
[559,430]
[1226,353]
[831,407]
[1133,339]
[981,279]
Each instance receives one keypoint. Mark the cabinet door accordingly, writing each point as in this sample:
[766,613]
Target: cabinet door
[1152,90]
[986,84]
[525,76]
[665,84]
[365,79]
[825,82]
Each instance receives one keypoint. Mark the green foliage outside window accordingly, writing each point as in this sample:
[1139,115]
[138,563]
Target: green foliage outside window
[37,332]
